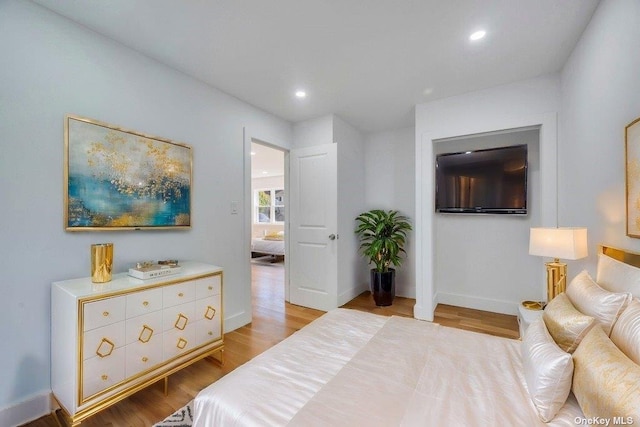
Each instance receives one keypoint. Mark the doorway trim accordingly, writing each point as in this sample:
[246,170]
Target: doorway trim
[248,212]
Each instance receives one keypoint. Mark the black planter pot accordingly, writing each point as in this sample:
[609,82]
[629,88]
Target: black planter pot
[383,287]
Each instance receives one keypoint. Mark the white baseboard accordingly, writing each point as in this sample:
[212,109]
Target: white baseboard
[30,409]
[350,294]
[236,321]
[478,303]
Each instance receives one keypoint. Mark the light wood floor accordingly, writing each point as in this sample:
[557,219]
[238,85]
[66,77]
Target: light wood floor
[273,321]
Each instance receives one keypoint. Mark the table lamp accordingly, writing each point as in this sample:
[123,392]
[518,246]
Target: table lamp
[556,243]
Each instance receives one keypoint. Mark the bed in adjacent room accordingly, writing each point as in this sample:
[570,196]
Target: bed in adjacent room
[270,244]
[354,368]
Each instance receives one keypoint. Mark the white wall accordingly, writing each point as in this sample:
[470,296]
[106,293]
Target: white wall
[528,103]
[352,275]
[312,132]
[481,260]
[600,96]
[390,184]
[50,67]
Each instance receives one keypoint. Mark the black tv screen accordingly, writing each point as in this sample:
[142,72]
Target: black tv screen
[483,181]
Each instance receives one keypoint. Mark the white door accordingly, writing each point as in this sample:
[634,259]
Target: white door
[313,225]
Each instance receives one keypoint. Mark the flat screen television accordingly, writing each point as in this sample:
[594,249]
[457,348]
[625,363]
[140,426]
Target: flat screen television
[483,181]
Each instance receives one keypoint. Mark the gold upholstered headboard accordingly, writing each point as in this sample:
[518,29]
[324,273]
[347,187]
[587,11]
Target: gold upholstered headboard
[622,255]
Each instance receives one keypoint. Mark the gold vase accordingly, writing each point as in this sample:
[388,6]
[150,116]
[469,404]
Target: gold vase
[101,262]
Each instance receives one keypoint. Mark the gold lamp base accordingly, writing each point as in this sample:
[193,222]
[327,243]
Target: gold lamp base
[556,278]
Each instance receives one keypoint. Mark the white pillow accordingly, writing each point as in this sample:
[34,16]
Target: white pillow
[616,276]
[626,332]
[592,300]
[547,369]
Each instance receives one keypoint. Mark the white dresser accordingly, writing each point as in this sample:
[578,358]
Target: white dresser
[109,340]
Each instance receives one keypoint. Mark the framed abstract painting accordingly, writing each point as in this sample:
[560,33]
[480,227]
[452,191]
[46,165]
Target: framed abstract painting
[632,160]
[119,179]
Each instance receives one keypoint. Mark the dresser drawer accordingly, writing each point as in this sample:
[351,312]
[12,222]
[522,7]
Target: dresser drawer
[103,312]
[178,317]
[142,356]
[99,373]
[144,328]
[208,286]
[176,342]
[144,302]
[103,341]
[208,320]
[179,293]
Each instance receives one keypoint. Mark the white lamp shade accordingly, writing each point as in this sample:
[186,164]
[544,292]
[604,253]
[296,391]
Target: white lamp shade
[562,242]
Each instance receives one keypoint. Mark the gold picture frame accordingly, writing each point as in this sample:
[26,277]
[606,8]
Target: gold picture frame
[632,177]
[121,179]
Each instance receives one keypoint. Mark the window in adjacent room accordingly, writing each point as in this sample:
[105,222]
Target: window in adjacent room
[269,206]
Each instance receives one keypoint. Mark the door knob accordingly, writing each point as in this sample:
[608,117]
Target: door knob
[332,237]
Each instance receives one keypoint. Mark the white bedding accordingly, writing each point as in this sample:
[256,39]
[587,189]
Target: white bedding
[353,368]
[270,247]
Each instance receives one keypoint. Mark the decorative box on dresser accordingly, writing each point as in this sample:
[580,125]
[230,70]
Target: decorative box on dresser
[109,340]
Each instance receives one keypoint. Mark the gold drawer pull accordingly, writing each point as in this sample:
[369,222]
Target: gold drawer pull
[181,322]
[104,377]
[180,294]
[105,348]
[145,359]
[210,333]
[145,334]
[210,288]
[210,313]
[182,343]
[145,303]
[105,313]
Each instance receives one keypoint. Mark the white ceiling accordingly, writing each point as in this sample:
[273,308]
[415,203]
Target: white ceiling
[266,161]
[368,61]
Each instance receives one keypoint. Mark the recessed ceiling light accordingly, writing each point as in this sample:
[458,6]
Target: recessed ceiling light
[477,35]
[264,172]
[253,153]
[301,94]
[428,91]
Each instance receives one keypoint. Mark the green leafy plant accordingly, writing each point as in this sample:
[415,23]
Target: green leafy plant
[382,237]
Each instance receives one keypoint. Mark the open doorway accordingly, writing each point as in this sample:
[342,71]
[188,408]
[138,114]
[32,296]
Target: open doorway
[268,225]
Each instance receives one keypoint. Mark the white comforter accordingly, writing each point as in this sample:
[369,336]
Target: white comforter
[271,247]
[350,368]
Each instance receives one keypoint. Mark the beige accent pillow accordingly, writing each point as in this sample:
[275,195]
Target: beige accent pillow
[566,325]
[547,370]
[626,332]
[616,276]
[606,383]
[273,237]
[592,300]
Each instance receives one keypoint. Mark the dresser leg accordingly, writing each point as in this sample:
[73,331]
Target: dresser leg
[218,356]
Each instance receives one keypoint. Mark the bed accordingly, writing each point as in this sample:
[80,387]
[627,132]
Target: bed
[268,245]
[353,368]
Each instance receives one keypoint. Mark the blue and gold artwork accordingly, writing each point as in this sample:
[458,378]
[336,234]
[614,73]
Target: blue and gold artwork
[120,179]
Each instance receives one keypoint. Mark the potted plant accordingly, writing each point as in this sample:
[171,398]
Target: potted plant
[382,237]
